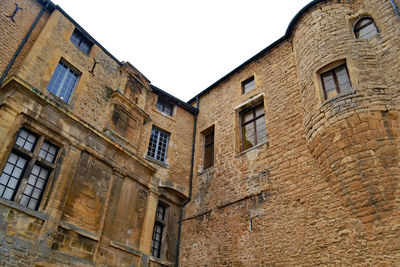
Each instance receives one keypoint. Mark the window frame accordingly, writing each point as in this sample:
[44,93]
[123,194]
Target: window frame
[206,133]
[159,223]
[242,124]
[157,145]
[357,28]
[248,81]
[81,38]
[33,159]
[332,71]
[162,104]
[58,90]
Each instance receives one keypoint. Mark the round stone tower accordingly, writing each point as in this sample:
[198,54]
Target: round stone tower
[353,134]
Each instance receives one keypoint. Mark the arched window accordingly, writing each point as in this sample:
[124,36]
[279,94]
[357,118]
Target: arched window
[365,28]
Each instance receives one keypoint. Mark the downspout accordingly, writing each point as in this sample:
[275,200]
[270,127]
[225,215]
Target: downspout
[178,242]
[396,10]
[3,76]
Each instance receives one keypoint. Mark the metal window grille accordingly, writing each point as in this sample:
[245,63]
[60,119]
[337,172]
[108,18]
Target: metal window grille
[158,144]
[63,82]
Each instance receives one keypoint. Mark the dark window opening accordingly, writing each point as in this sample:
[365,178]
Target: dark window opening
[159,226]
[81,41]
[164,106]
[336,81]
[209,148]
[253,126]
[248,85]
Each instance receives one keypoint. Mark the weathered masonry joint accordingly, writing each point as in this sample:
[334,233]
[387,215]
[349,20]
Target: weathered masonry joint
[290,159]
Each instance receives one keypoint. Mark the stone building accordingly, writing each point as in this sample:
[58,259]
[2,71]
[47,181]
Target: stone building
[290,159]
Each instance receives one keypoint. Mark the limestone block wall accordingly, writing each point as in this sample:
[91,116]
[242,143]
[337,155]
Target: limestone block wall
[323,190]
[355,137]
[14,31]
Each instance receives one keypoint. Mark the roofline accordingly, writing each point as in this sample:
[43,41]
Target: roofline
[175,100]
[287,35]
[86,34]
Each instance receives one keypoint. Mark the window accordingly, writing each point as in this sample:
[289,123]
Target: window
[336,81]
[158,231]
[365,28]
[158,144]
[208,148]
[27,169]
[63,82]
[81,41]
[253,126]
[248,85]
[164,106]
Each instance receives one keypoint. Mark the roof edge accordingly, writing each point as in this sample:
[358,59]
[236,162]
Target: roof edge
[175,100]
[287,35]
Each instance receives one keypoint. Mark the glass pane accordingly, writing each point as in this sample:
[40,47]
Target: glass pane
[28,190]
[4,179]
[21,162]
[343,80]
[36,193]
[248,136]
[43,174]
[32,204]
[8,193]
[32,179]
[260,110]
[248,85]
[13,158]
[2,187]
[35,170]
[8,168]
[248,116]
[24,200]
[12,183]
[208,156]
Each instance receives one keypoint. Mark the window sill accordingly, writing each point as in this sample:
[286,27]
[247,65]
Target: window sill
[164,114]
[161,261]
[159,163]
[342,95]
[209,169]
[23,209]
[251,148]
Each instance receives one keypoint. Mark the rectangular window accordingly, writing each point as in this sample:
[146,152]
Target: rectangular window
[248,85]
[63,82]
[208,148]
[253,126]
[35,177]
[81,41]
[164,106]
[336,81]
[158,144]
[158,231]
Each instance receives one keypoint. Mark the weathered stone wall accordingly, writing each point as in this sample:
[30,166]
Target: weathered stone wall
[324,189]
[100,202]
[13,32]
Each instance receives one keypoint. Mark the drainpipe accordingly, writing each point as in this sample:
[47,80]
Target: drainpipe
[3,76]
[178,242]
[396,10]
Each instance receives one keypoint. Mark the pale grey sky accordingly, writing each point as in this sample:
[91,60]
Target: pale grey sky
[183,46]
